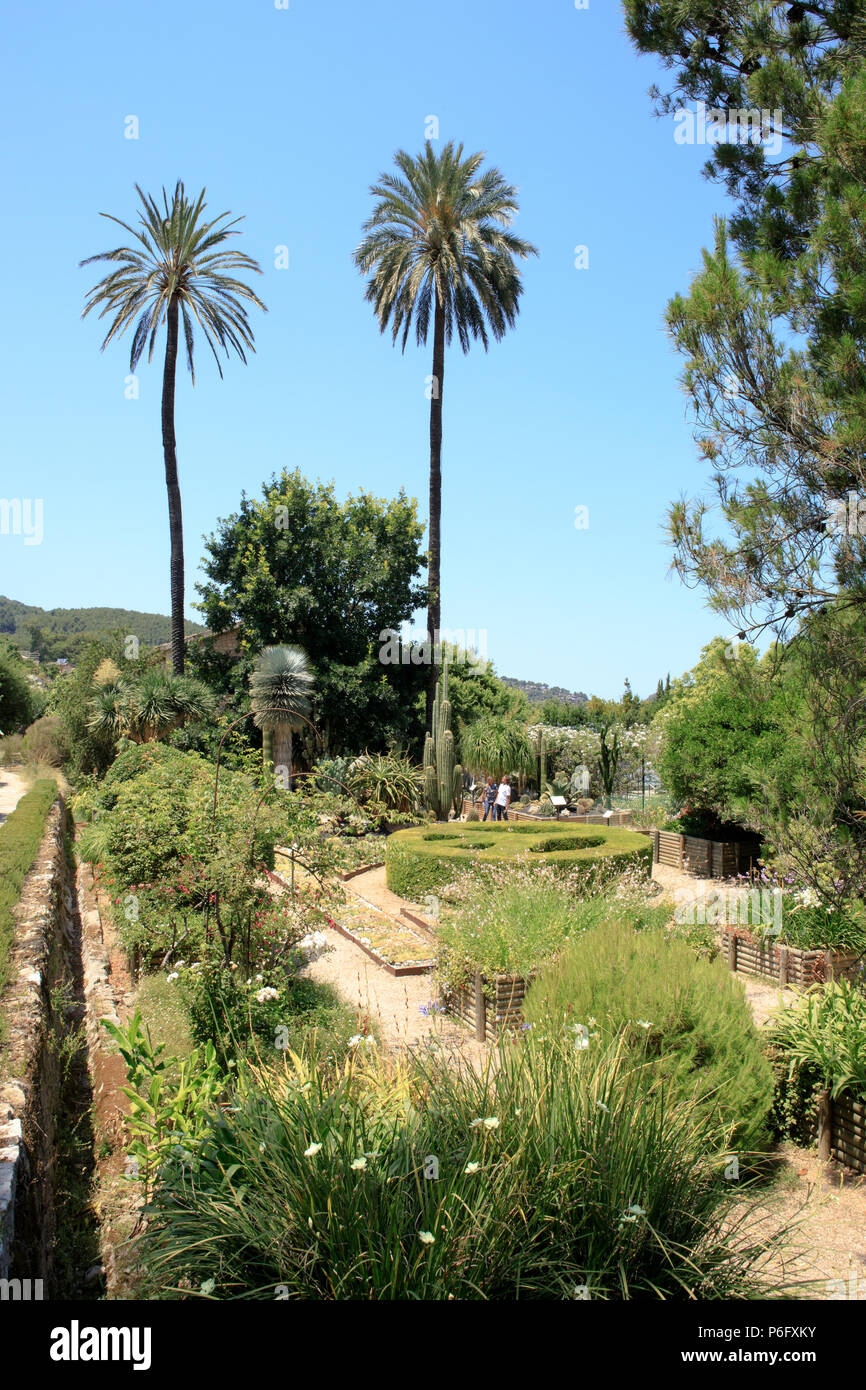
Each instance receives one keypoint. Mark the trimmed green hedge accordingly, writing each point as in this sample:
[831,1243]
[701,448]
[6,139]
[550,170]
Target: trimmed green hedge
[20,837]
[421,860]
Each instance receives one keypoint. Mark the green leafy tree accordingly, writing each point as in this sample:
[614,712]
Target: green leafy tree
[179,269]
[20,702]
[301,568]
[438,245]
[724,730]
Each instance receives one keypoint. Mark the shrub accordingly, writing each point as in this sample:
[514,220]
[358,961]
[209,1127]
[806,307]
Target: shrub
[686,1016]
[225,1011]
[46,741]
[561,842]
[419,862]
[472,814]
[824,1034]
[560,1174]
[19,700]
[20,838]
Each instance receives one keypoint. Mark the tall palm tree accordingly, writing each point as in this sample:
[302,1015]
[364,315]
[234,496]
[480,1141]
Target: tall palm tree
[178,269]
[280,686]
[438,240]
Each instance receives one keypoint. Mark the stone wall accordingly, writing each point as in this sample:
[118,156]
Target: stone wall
[30,1071]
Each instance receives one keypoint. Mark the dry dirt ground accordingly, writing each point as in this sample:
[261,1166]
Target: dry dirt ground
[12,788]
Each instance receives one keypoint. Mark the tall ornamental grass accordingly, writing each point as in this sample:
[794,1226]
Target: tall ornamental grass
[558,1172]
[512,921]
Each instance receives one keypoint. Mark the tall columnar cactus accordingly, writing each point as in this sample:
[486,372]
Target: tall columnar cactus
[443,775]
[540,750]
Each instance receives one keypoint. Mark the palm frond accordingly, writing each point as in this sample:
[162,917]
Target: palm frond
[441,227]
[178,256]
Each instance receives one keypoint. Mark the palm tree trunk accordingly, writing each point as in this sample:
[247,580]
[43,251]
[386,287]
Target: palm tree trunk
[175,516]
[434,554]
[282,753]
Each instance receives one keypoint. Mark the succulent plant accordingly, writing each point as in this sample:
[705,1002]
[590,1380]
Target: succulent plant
[443,775]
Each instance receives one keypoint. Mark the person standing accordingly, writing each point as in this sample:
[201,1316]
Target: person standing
[489,799]
[503,800]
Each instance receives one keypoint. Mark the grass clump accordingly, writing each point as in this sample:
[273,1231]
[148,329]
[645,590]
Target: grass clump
[555,1173]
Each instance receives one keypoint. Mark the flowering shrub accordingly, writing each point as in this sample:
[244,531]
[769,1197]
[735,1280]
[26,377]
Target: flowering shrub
[266,1014]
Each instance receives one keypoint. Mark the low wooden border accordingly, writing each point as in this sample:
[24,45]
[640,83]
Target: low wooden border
[489,1016]
[346,874]
[787,965]
[419,968]
[705,858]
[842,1130]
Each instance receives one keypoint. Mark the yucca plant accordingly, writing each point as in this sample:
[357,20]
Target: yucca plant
[178,268]
[281,683]
[438,246]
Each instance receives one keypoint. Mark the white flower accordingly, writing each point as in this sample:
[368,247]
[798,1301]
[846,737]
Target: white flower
[172,977]
[632,1214]
[472,1167]
[353,1042]
[491,1122]
[262,1147]
[643,1023]
[426,1237]
[591,1022]
[267,993]
[601,1105]
[359,1164]
[260,978]
[312,1150]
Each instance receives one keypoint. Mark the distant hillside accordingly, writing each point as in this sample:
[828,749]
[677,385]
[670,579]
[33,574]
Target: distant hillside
[536,693]
[62,630]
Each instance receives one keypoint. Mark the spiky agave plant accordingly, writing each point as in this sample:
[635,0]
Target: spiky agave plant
[178,268]
[280,686]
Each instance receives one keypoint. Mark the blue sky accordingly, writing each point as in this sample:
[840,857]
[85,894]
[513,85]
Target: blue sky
[287,116]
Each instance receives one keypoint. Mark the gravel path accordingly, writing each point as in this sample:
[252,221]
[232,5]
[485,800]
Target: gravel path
[12,788]
[371,887]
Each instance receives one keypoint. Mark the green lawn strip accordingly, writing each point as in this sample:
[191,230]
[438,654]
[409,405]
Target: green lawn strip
[20,838]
